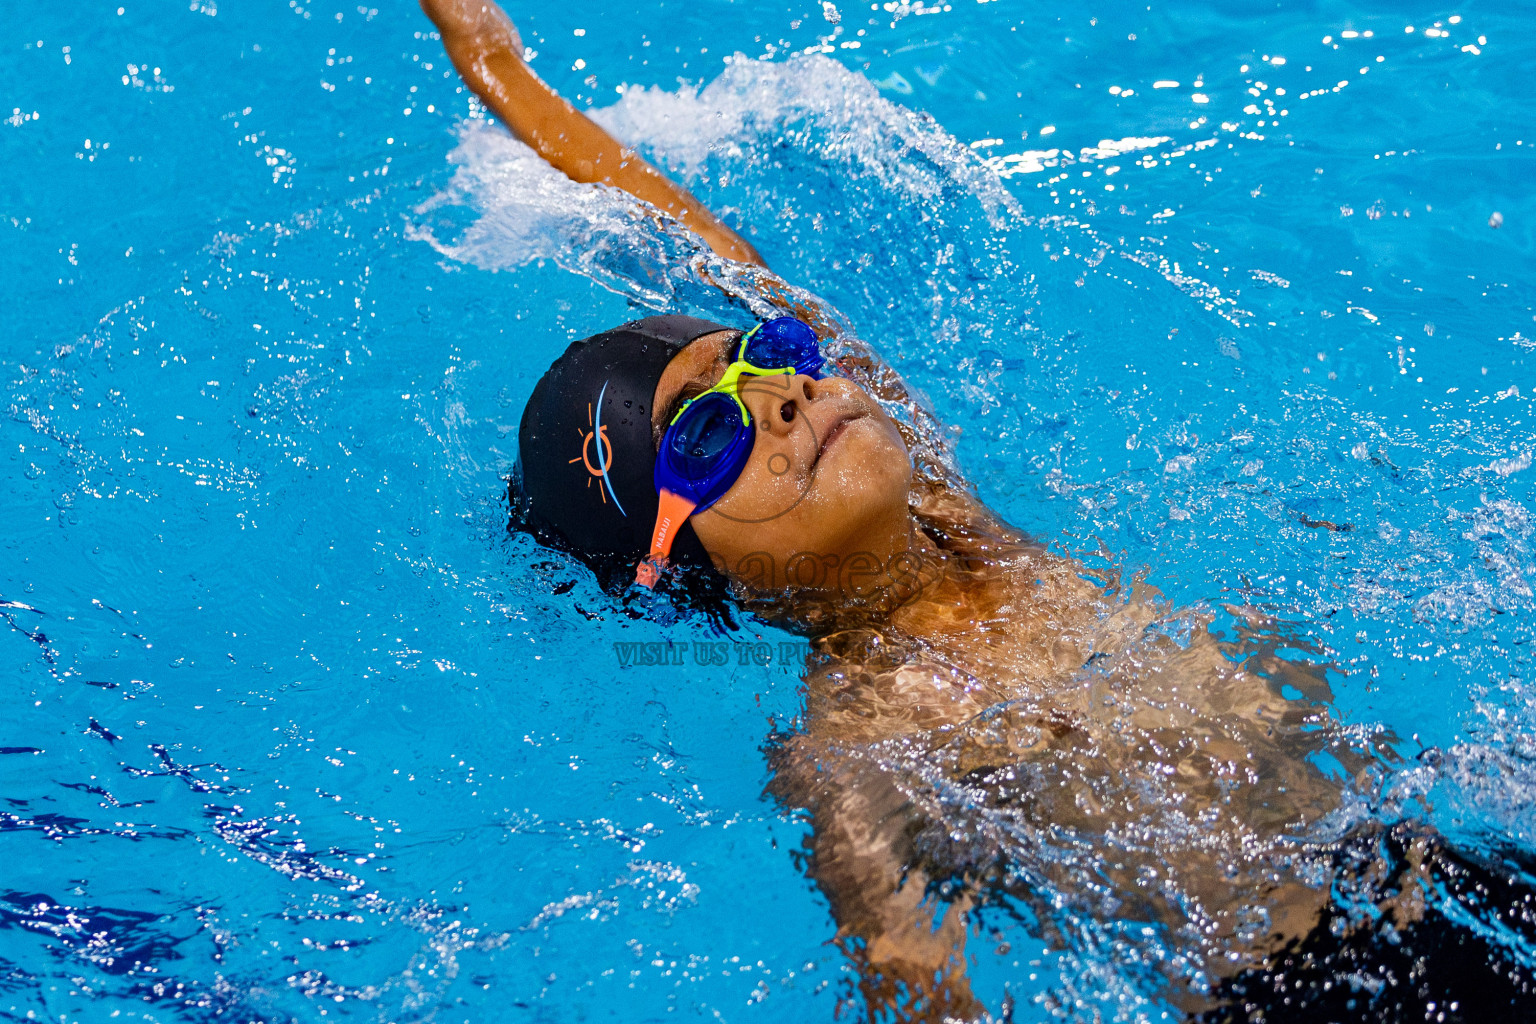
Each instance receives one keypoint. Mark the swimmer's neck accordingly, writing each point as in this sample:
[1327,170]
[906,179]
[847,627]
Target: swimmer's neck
[900,577]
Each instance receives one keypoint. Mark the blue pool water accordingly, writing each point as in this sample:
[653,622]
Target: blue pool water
[291,728]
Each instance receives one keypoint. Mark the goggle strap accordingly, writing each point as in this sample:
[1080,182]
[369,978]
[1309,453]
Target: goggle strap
[741,342]
[672,511]
[730,384]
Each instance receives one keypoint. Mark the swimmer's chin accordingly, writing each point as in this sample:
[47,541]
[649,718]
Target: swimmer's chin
[859,448]
[861,466]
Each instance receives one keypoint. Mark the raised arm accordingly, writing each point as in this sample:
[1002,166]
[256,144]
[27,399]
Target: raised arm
[485,48]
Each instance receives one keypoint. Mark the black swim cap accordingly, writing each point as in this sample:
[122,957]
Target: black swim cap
[585,446]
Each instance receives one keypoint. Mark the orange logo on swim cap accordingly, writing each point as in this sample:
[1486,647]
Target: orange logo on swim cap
[604,452]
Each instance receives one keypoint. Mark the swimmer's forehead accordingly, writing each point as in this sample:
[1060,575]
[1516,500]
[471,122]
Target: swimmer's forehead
[702,362]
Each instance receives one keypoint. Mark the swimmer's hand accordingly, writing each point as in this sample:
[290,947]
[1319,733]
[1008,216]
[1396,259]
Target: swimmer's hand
[485,47]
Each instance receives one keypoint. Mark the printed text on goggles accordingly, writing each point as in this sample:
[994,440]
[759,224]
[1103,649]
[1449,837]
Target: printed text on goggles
[708,442]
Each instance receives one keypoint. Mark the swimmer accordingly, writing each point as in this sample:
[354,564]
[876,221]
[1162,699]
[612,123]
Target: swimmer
[988,724]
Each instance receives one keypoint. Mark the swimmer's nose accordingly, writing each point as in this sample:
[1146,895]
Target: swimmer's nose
[776,403]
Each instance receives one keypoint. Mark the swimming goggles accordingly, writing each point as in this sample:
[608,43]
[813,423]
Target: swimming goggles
[709,441]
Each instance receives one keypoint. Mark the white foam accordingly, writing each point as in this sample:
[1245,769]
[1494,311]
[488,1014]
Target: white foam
[526,210]
[521,210]
[754,105]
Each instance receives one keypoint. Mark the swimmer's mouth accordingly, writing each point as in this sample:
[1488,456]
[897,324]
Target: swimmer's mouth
[835,431]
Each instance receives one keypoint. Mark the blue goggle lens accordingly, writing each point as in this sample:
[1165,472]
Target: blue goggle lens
[705,451]
[702,436]
[785,342]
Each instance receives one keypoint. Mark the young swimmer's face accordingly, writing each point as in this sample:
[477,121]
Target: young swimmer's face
[828,475]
